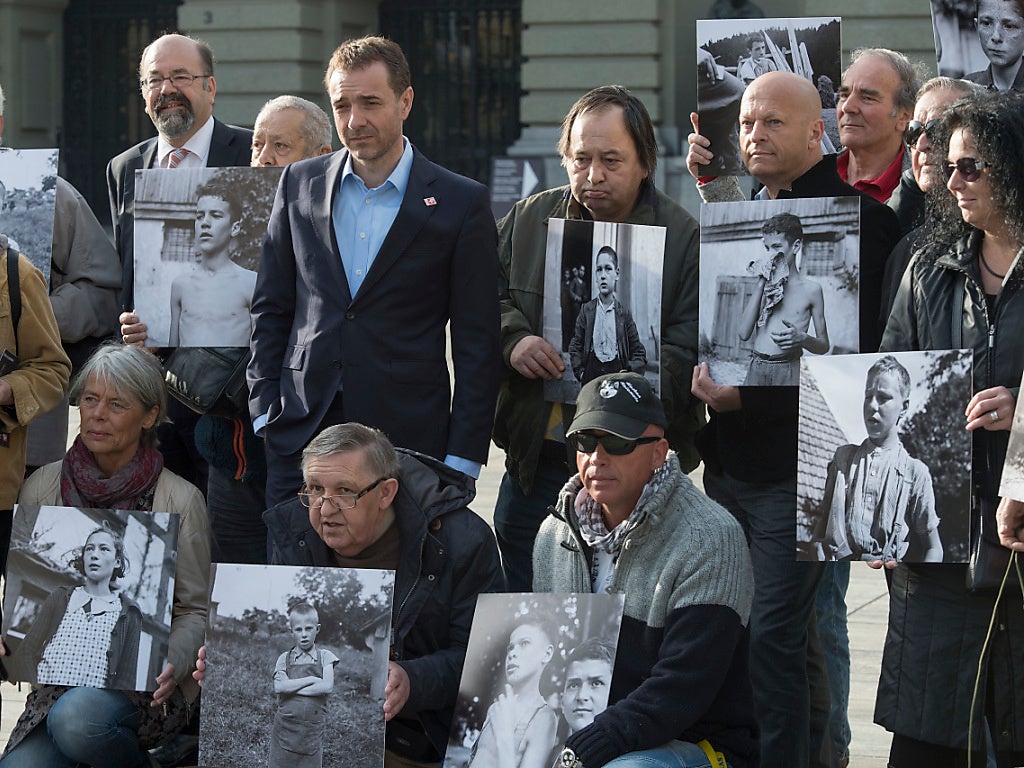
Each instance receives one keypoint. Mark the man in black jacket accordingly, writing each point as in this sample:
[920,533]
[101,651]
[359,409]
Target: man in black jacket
[750,444]
[366,505]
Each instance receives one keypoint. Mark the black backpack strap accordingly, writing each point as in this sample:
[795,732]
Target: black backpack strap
[14,288]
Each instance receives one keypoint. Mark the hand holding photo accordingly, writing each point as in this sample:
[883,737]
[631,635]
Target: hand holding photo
[538,668]
[295,665]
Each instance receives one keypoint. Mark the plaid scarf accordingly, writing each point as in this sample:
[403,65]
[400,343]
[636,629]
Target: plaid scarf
[82,484]
[592,527]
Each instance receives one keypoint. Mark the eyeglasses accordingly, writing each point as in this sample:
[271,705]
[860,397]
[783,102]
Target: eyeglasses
[340,501]
[179,81]
[915,128]
[613,445]
[970,168]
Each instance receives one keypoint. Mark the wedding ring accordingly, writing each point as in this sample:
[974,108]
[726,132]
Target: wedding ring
[994,415]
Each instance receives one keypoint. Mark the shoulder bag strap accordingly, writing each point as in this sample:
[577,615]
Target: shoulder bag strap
[14,288]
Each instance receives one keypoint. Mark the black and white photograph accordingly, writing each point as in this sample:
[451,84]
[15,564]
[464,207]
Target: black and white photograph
[602,301]
[198,236]
[538,668]
[1012,483]
[296,663]
[981,41]
[731,53]
[779,281]
[882,473]
[88,596]
[28,193]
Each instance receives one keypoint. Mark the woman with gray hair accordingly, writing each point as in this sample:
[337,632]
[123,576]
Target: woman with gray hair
[114,464]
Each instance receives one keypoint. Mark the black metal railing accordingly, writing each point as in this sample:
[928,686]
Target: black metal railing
[103,110]
[465,59]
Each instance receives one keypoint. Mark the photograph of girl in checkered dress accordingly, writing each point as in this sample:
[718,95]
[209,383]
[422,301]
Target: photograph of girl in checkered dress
[89,628]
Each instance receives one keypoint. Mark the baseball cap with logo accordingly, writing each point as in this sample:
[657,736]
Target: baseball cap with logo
[622,404]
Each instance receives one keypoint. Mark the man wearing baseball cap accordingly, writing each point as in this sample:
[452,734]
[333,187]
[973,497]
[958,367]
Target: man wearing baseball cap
[632,522]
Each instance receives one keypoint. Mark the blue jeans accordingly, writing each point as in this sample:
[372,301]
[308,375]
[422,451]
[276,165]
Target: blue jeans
[85,727]
[830,607]
[783,607]
[675,754]
[517,518]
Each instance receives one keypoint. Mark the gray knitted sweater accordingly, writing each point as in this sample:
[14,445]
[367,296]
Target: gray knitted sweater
[681,667]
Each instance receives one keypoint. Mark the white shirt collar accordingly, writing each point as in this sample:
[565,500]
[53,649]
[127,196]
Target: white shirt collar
[198,145]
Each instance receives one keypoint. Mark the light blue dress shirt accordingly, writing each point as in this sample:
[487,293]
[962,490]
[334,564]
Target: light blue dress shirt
[363,217]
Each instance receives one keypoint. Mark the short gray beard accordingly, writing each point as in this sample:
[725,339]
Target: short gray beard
[176,124]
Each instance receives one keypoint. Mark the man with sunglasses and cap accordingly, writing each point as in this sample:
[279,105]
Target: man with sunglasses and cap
[632,522]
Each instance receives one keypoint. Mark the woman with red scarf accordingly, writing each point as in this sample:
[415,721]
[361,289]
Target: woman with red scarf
[114,463]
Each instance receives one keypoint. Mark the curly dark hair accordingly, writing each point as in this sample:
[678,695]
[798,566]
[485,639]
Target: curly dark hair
[995,122]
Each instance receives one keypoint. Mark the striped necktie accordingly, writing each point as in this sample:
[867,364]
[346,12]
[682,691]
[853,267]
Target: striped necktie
[176,156]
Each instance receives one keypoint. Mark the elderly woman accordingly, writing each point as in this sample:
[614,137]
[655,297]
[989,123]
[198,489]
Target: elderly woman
[114,463]
[963,289]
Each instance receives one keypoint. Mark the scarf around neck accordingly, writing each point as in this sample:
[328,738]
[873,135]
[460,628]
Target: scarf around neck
[592,526]
[82,484]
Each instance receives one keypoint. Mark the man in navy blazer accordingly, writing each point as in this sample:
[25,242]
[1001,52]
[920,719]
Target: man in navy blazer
[176,78]
[370,253]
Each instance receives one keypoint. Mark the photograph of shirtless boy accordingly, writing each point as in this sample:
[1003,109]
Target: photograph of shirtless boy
[782,308]
[198,237]
[779,282]
[210,304]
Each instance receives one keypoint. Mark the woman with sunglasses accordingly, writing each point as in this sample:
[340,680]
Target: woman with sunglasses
[964,289]
[924,174]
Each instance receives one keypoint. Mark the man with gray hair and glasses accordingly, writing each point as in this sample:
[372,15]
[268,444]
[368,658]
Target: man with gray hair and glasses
[366,504]
[289,128]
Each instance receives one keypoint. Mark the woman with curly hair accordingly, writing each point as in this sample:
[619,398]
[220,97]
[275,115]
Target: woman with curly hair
[942,686]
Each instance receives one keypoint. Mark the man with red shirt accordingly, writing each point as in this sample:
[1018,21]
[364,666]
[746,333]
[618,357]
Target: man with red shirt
[876,100]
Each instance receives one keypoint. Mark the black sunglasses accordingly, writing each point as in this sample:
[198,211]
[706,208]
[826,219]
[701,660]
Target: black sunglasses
[970,168]
[612,444]
[915,128]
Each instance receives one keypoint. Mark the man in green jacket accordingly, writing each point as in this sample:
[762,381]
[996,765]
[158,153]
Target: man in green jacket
[609,151]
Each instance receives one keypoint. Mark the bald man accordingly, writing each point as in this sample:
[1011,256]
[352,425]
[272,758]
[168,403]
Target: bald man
[751,447]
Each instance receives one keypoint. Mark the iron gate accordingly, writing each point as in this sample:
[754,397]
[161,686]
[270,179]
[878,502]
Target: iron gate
[465,61]
[103,110]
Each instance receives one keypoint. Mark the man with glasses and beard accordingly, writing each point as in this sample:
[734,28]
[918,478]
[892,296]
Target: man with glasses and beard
[176,78]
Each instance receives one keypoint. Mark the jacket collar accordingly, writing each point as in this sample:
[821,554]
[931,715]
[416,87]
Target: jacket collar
[819,176]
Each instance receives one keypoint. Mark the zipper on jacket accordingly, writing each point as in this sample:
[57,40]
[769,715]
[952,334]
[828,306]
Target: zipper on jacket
[990,373]
[401,606]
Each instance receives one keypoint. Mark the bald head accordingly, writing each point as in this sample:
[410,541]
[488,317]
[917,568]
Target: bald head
[780,129]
